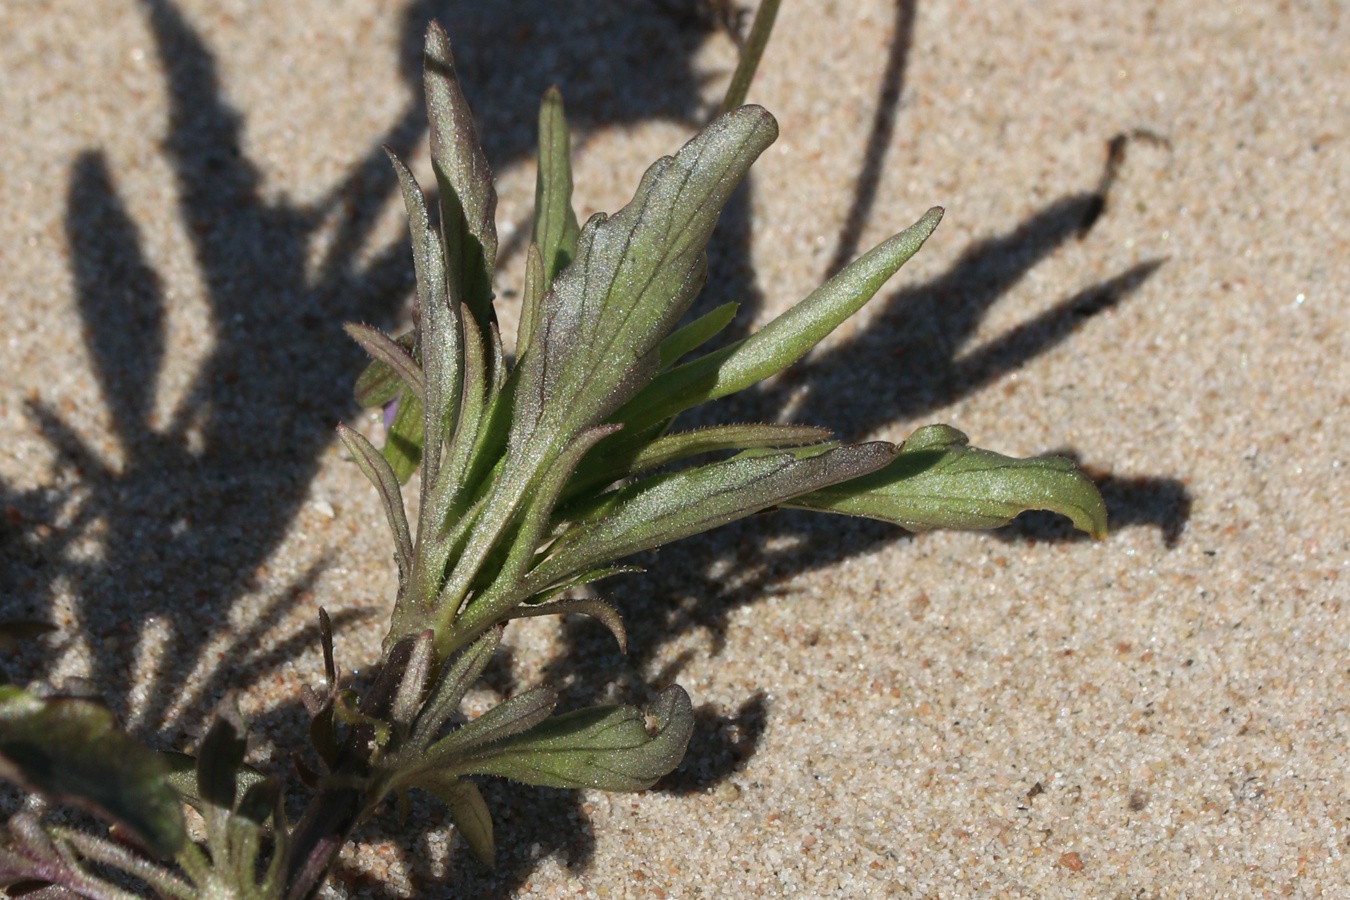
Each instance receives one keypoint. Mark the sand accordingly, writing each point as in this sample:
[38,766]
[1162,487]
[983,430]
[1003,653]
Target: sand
[195,201]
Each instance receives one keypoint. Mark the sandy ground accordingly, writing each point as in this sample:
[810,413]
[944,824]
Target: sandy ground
[195,201]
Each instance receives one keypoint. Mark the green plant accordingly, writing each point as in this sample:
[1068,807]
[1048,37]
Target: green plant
[537,478]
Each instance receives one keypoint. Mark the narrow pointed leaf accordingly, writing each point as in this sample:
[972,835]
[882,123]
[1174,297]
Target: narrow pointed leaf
[394,355]
[468,197]
[411,690]
[520,713]
[937,481]
[378,385]
[382,476]
[455,682]
[548,592]
[531,298]
[696,333]
[663,509]
[534,522]
[594,607]
[600,747]
[555,222]
[784,340]
[598,338]
[71,751]
[403,438]
[414,425]
[682,445]
[469,813]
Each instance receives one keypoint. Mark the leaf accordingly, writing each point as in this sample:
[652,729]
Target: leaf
[378,384]
[469,813]
[936,481]
[604,747]
[534,520]
[634,275]
[594,607]
[510,717]
[382,476]
[468,197]
[181,774]
[531,298]
[403,438]
[784,340]
[71,751]
[220,756]
[665,508]
[455,681]
[684,444]
[394,355]
[696,333]
[413,685]
[555,222]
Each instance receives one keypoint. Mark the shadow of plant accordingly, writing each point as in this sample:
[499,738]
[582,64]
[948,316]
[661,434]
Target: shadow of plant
[200,502]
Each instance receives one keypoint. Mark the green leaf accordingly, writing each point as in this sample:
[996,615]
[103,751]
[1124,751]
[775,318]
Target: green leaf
[594,607]
[784,340]
[520,713]
[378,384]
[684,444]
[635,274]
[71,751]
[220,756]
[382,476]
[469,813]
[601,747]
[455,681]
[403,438]
[468,197]
[555,222]
[936,481]
[393,354]
[531,298]
[665,508]
[696,333]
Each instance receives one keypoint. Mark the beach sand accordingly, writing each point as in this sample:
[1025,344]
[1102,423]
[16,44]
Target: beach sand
[195,201]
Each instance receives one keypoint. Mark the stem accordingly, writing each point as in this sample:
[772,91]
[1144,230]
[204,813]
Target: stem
[750,56]
[349,793]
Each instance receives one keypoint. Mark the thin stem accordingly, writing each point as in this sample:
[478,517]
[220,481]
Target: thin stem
[750,56]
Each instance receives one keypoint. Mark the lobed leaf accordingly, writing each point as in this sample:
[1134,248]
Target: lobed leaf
[937,481]
[71,751]
[601,747]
